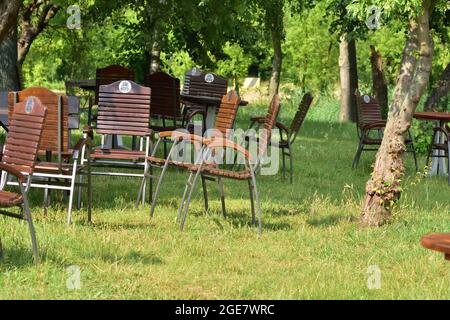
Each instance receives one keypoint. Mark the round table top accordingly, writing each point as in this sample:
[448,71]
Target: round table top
[437,242]
[443,116]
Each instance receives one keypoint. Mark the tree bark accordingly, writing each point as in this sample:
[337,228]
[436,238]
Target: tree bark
[349,80]
[33,19]
[274,24]
[440,90]
[380,87]
[9,73]
[9,10]
[383,188]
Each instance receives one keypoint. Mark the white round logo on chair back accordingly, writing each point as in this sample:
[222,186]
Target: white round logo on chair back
[29,105]
[366,98]
[125,86]
[209,78]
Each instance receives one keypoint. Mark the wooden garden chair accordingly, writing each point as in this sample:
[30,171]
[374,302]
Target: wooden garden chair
[444,146]
[224,123]
[124,109]
[62,174]
[370,121]
[206,167]
[105,76]
[288,135]
[19,157]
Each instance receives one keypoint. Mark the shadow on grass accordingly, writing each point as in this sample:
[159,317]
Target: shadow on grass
[14,258]
[133,257]
[330,220]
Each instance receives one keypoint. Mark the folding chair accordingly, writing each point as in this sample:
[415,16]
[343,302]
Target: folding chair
[19,158]
[288,135]
[206,167]
[224,122]
[370,121]
[62,174]
[124,109]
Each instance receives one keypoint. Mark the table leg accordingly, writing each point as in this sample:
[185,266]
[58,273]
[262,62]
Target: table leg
[210,117]
[438,166]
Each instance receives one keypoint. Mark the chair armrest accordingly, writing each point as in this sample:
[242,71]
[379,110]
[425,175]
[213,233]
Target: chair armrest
[281,126]
[375,125]
[87,130]
[443,130]
[79,146]
[195,113]
[258,119]
[149,132]
[224,143]
[5,167]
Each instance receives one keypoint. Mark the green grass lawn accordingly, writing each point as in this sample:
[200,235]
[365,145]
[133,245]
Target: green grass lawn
[311,246]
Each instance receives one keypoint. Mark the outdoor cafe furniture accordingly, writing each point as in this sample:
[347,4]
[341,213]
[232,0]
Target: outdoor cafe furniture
[205,166]
[123,109]
[440,145]
[438,242]
[224,123]
[370,126]
[288,135]
[19,159]
[64,174]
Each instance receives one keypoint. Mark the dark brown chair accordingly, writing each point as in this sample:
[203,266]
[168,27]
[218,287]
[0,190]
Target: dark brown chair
[224,122]
[206,167]
[124,109]
[438,242]
[105,76]
[62,117]
[442,148]
[370,121]
[19,157]
[288,135]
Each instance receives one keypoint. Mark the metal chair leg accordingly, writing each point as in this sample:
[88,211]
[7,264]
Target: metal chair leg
[284,163]
[89,192]
[80,190]
[72,190]
[255,190]
[186,208]
[291,164]
[358,154]
[448,160]
[205,194]
[222,196]
[252,201]
[27,213]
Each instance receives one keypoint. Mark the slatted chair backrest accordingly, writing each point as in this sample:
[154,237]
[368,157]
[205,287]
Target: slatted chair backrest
[269,122]
[205,84]
[111,74]
[300,116]
[25,134]
[56,127]
[124,109]
[228,109]
[165,95]
[368,111]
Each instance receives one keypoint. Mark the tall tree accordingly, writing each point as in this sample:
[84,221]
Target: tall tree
[383,188]
[9,73]
[348,79]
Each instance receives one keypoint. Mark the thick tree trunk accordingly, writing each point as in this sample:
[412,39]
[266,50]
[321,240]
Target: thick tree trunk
[348,79]
[9,73]
[383,189]
[9,10]
[380,88]
[277,63]
[441,89]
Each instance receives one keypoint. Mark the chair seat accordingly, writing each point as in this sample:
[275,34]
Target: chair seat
[118,154]
[10,199]
[53,167]
[237,175]
[438,242]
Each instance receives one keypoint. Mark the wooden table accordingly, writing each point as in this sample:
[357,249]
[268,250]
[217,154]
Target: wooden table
[438,242]
[438,164]
[210,104]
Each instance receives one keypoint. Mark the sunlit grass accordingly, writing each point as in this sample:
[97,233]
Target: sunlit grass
[311,246]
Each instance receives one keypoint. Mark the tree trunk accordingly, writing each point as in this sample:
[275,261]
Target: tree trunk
[440,90]
[155,58]
[349,79]
[380,88]
[9,9]
[383,189]
[9,73]
[277,63]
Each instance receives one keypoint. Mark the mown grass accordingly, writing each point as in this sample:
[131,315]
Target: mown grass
[311,246]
